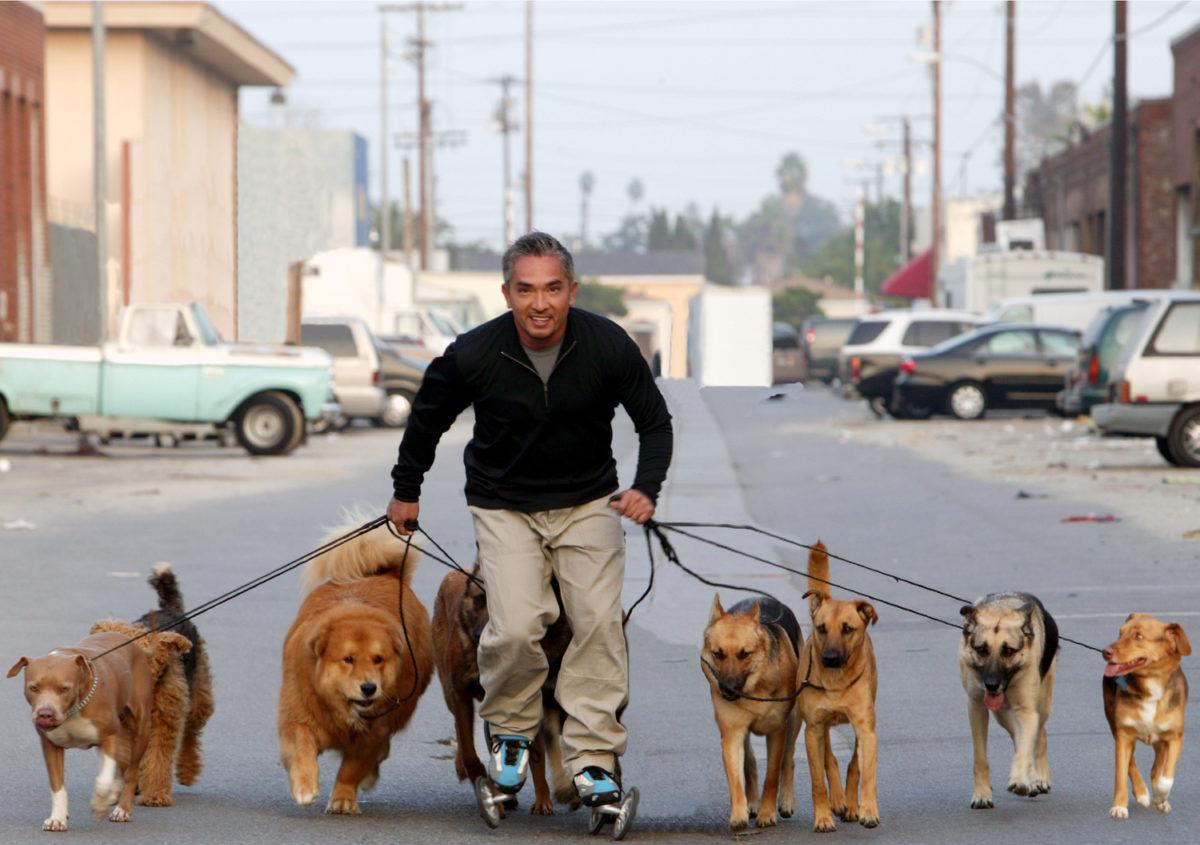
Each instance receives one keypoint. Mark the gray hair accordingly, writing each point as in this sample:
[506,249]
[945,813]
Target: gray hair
[537,244]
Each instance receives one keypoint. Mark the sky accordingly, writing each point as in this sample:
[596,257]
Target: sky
[698,100]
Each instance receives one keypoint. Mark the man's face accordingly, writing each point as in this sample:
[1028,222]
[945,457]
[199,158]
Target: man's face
[539,296]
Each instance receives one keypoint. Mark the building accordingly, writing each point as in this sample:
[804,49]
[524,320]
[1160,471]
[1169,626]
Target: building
[24,256]
[172,73]
[320,178]
[1185,159]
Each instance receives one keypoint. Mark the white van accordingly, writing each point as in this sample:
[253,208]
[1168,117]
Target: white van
[1070,310]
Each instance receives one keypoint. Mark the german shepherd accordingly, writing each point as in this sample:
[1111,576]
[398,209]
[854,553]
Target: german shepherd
[1145,694]
[838,682]
[459,616]
[1007,660]
[750,650]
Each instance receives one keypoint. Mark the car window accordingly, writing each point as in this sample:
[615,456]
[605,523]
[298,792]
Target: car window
[831,332]
[337,340]
[208,332]
[866,331]
[409,325]
[786,338]
[157,327]
[1060,344]
[1179,332]
[931,332]
[1016,314]
[1015,342]
[1118,333]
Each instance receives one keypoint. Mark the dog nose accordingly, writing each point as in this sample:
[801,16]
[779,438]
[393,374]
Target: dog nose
[830,657]
[368,689]
[1107,654]
[45,713]
[992,686]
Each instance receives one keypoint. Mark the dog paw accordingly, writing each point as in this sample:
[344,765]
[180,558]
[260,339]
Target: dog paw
[1162,805]
[342,807]
[847,813]
[1119,812]
[869,820]
[155,800]
[54,825]
[766,819]
[739,822]
[824,824]
[118,815]
[982,802]
[304,795]
[1039,787]
[542,807]
[1144,799]
[1023,788]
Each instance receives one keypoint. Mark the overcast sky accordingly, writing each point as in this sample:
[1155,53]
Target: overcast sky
[699,100]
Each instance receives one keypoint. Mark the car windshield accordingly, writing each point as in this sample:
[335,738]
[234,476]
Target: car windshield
[208,331]
[444,324]
[866,331]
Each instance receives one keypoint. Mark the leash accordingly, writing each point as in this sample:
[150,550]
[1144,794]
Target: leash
[805,684]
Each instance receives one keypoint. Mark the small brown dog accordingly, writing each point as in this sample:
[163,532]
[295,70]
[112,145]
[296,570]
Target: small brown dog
[838,683]
[82,700]
[749,653]
[355,662]
[1145,695]
[459,616]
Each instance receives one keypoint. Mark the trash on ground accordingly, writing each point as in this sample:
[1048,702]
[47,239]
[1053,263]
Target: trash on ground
[1091,517]
[1025,494]
[5,464]
[775,396]
[1171,479]
[1194,534]
[19,525]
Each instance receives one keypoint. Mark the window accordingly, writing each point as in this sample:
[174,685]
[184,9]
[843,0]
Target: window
[931,332]
[338,341]
[409,325]
[1018,342]
[1179,332]
[1016,314]
[866,331]
[831,332]
[1060,344]
[207,330]
[158,327]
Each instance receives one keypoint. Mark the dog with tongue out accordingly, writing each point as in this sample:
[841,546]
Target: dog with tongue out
[1007,661]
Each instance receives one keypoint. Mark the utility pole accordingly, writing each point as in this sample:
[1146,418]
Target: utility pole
[408,217]
[1117,147]
[528,115]
[860,225]
[1010,115]
[906,212]
[100,165]
[385,209]
[936,204]
[503,123]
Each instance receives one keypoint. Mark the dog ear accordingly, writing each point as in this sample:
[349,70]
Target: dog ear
[1175,633]
[867,611]
[717,611]
[814,599]
[317,643]
[756,613]
[18,666]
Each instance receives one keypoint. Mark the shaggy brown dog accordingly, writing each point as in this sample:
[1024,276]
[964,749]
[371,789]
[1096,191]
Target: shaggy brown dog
[355,663]
[459,616]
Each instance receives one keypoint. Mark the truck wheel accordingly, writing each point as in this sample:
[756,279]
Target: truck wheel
[1183,440]
[5,418]
[266,425]
[396,409]
[1164,449]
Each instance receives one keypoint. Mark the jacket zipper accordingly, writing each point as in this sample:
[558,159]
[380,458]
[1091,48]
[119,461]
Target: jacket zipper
[546,383]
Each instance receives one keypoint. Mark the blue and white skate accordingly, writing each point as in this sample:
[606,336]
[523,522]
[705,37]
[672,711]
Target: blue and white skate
[600,791]
[507,765]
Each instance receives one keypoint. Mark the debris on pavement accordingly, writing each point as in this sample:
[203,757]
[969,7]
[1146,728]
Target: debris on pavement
[1025,494]
[1091,517]
[19,525]
[1171,479]
[1194,534]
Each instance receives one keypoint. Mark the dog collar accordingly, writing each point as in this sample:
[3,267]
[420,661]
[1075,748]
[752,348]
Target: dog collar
[1122,682]
[83,702]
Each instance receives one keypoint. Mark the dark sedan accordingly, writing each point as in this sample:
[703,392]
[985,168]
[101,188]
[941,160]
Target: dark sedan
[997,366]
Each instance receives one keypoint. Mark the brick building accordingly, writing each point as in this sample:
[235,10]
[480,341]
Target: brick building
[24,260]
[1185,171]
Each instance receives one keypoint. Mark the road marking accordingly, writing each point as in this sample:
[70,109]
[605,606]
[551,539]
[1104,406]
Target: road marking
[123,574]
[1123,614]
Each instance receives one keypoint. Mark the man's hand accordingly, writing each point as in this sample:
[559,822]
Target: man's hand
[634,505]
[399,513]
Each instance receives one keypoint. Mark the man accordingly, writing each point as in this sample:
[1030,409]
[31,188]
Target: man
[544,381]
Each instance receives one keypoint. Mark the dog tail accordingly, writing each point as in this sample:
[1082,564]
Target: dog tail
[818,571]
[164,582]
[373,553]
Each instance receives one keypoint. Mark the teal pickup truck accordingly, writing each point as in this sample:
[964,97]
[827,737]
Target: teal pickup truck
[170,372]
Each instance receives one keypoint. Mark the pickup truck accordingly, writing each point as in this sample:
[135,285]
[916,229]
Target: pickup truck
[169,371]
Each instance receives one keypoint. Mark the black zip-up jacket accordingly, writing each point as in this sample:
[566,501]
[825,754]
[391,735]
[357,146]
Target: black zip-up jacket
[538,446]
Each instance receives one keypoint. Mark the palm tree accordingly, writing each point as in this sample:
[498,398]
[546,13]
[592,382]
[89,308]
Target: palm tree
[636,191]
[587,182]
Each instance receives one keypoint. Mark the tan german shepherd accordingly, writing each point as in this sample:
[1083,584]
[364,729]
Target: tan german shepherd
[838,682]
[749,652]
[1007,659]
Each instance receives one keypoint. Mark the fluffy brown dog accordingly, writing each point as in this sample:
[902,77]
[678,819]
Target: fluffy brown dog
[750,652]
[82,700]
[355,662]
[839,681]
[459,616]
[1145,695]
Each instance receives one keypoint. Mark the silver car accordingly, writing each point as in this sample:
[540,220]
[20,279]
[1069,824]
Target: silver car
[357,376]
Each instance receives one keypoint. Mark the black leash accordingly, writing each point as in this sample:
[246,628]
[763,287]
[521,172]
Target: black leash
[728,691]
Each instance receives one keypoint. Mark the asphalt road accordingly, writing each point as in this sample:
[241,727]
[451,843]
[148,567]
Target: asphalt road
[735,461]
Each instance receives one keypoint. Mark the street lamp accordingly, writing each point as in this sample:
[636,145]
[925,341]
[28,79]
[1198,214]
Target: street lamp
[929,57]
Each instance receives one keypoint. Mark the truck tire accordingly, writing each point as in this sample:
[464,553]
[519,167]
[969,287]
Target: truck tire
[1164,449]
[5,418]
[266,425]
[1183,439]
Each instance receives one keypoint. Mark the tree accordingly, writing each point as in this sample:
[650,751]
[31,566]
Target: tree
[600,299]
[587,182]
[792,175]
[716,257]
[658,237]
[630,236]
[794,305]
[395,224]
[765,240]
[1044,121]
[881,250]
[683,237]
[636,191]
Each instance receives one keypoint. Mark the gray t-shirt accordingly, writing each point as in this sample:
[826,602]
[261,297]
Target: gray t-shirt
[543,359]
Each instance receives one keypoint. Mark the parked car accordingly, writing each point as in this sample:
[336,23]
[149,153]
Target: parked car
[998,366]
[870,360]
[168,372]
[821,338]
[1155,385]
[1086,383]
[787,357]
[357,372]
[401,376]
[1065,310]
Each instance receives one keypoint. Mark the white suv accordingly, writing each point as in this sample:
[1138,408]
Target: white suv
[870,359]
[1155,386]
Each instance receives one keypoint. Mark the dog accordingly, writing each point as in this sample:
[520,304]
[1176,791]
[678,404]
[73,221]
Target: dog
[355,662]
[1145,695]
[80,699]
[1007,660]
[750,650]
[183,696]
[838,682]
[459,616]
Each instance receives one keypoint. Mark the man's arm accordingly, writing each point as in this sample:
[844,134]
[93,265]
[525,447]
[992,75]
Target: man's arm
[643,401]
[443,395]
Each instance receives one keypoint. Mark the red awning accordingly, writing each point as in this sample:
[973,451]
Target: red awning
[912,280]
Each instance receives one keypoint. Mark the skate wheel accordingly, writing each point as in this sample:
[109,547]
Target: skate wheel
[489,809]
[597,820]
[624,819]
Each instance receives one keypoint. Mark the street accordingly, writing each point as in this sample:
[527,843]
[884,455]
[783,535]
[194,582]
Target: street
[937,502]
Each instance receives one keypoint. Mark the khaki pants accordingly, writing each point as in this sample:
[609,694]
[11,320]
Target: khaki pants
[584,548]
